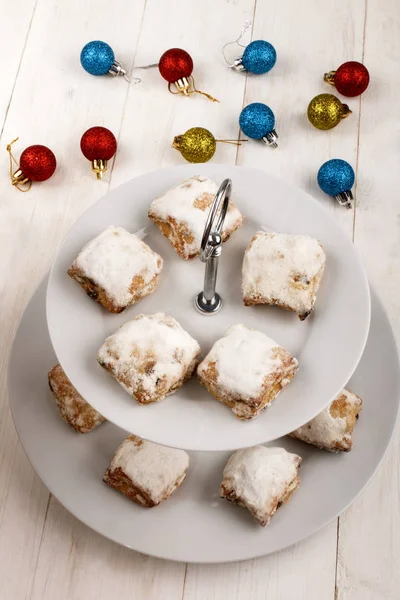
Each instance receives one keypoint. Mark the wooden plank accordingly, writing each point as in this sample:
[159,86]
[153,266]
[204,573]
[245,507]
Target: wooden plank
[78,564]
[368,543]
[305,572]
[23,498]
[53,105]
[153,116]
[296,31]
[39,220]
[53,566]
[23,504]
[15,23]
[308,43]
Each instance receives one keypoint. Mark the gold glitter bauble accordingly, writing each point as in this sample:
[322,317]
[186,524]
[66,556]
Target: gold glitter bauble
[326,111]
[197,145]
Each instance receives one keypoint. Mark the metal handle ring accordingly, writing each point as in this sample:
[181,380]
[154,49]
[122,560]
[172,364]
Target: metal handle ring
[223,194]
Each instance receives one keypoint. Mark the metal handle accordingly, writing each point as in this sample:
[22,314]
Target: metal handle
[209,301]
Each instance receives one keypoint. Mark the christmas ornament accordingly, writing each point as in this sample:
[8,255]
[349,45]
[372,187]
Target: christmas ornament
[336,178]
[350,79]
[259,57]
[326,111]
[176,67]
[97,58]
[258,121]
[36,163]
[98,145]
[198,145]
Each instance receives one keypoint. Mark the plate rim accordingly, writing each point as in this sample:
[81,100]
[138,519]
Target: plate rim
[288,186]
[392,339]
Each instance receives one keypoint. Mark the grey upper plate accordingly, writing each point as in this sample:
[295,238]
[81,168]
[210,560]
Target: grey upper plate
[194,525]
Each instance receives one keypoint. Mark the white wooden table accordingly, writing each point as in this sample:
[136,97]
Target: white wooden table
[46,97]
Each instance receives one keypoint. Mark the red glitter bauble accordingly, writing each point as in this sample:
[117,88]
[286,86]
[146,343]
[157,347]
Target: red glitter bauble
[351,78]
[175,64]
[37,163]
[98,143]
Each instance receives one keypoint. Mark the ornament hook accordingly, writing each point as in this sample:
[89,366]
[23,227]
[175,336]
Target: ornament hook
[209,302]
[117,70]
[17,178]
[237,41]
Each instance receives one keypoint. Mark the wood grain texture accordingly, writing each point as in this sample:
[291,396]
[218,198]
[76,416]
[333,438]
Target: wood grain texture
[310,40]
[15,23]
[23,498]
[369,544]
[78,564]
[47,98]
[305,571]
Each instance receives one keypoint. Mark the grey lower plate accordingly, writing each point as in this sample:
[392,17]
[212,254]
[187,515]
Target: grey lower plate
[195,525]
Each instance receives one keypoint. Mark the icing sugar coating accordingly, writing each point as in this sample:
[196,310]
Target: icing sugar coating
[283,269]
[259,478]
[114,258]
[155,469]
[187,206]
[244,357]
[150,356]
[333,427]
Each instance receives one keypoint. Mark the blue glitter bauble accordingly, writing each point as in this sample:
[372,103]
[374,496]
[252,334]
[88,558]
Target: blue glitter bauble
[336,176]
[256,120]
[97,58]
[259,57]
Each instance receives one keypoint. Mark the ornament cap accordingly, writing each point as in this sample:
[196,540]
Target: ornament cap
[99,166]
[330,77]
[116,69]
[238,65]
[346,111]
[177,142]
[18,178]
[183,86]
[345,199]
[270,138]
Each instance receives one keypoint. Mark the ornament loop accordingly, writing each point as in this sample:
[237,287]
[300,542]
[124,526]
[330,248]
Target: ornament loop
[235,142]
[117,70]
[209,301]
[237,41]
[186,86]
[147,66]
[17,178]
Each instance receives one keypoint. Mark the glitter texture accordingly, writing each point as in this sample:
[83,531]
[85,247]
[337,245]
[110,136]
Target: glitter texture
[256,120]
[98,143]
[175,64]
[336,176]
[259,57]
[37,163]
[325,111]
[197,145]
[97,58]
[351,79]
